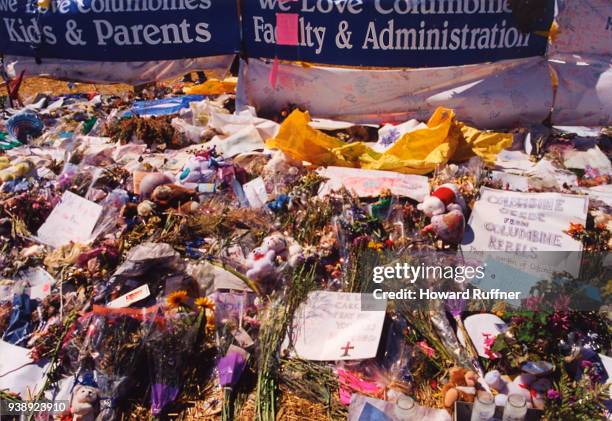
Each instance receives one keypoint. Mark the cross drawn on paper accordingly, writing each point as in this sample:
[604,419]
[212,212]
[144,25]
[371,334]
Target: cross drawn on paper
[346,349]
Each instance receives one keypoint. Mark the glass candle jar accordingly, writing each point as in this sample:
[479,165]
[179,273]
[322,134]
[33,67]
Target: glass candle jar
[515,409]
[484,407]
[406,409]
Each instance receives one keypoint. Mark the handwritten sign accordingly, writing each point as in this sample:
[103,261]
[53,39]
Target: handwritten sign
[332,326]
[73,219]
[527,229]
[370,183]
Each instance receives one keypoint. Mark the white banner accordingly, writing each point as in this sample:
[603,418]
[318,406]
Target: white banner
[584,94]
[585,28]
[133,73]
[502,94]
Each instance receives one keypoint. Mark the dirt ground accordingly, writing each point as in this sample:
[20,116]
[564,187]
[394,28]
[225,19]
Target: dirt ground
[34,85]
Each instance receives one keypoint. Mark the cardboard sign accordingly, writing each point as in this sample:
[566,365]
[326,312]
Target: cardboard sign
[527,230]
[73,219]
[332,326]
[370,183]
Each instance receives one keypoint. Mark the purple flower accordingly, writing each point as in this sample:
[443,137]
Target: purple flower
[455,307]
[560,320]
[553,394]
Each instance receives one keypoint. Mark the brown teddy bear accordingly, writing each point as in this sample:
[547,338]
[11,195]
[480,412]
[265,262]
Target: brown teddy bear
[461,386]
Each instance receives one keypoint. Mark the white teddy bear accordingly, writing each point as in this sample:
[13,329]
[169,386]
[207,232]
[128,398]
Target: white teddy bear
[445,198]
[83,403]
[262,261]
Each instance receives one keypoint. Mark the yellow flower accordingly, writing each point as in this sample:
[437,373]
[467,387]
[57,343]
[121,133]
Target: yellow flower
[210,321]
[375,245]
[205,303]
[177,298]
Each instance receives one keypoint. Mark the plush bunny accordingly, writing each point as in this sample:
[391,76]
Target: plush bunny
[443,199]
[83,403]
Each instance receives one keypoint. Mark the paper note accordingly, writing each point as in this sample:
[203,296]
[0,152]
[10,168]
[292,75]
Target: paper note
[131,297]
[370,183]
[332,326]
[255,191]
[73,219]
[287,28]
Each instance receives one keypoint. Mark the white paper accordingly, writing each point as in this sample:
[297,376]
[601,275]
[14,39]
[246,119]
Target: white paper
[18,373]
[247,139]
[370,183]
[512,181]
[255,191]
[73,219]
[479,327]
[331,326]
[603,193]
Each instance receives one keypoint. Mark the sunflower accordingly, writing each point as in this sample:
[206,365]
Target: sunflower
[205,303]
[177,298]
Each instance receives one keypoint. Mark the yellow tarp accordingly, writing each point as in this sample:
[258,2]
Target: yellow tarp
[418,152]
[213,87]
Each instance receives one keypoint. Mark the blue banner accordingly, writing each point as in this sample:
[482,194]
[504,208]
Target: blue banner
[394,33]
[119,30]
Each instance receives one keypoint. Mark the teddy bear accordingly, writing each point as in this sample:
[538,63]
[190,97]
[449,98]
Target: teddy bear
[83,403]
[461,386]
[444,198]
[262,261]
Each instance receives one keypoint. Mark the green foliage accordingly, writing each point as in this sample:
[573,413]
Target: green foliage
[581,400]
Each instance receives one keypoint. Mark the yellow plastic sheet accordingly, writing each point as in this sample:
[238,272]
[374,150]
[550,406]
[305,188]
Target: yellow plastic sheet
[418,152]
[213,87]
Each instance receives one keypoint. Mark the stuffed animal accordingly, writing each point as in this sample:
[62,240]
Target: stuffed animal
[261,264]
[150,181]
[83,403]
[504,387]
[198,170]
[449,227]
[172,195]
[445,198]
[264,260]
[461,386]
